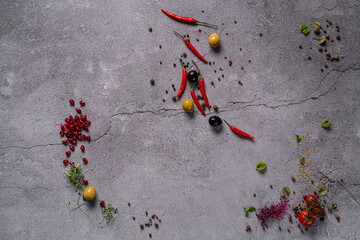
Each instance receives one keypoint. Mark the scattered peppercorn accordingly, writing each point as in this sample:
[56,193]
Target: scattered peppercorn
[216,108]
[212,82]
[304,196]
[310,47]
[293,178]
[326,65]
[248,228]
[163,99]
[327,54]
[214,71]
[300,46]
[156,225]
[150,236]
[240,82]
[338,36]
[329,208]
[133,218]
[338,217]
[320,49]
[279,228]
[342,56]
[321,69]
[222,75]
[235,22]
[242,68]
[142,226]
[150,29]
[129,204]
[324,31]
[332,40]
[327,36]
[271,186]
[173,98]
[199,30]
[260,34]
[289,230]
[309,57]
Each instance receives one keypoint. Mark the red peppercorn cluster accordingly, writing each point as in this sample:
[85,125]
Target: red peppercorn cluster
[73,130]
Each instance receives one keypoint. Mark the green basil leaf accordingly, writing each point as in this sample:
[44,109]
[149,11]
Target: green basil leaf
[322,190]
[298,138]
[286,191]
[251,209]
[316,24]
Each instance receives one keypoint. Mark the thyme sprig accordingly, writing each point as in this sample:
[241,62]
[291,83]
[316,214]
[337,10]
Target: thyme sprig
[76,175]
[109,212]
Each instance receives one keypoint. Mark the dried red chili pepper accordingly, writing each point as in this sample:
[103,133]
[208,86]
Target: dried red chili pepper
[197,101]
[238,131]
[183,81]
[192,48]
[185,19]
[202,87]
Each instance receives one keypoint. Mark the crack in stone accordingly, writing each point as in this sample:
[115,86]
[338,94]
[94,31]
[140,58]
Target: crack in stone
[27,148]
[338,182]
[32,188]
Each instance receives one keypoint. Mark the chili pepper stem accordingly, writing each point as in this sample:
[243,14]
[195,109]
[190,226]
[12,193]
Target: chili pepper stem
[212,25]
[180,35]
[227,123]
[183,67]
[197,68]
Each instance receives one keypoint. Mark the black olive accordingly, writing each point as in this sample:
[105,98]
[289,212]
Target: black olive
[215,121]
[192,76]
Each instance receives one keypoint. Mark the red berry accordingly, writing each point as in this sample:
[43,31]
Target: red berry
[65,142]
[87,123]
[74,142]
[86,128]
[67,120]
[88,138]
[102,203]
[85,160]
[82,148]
[85,182]
[84,118]
[68,153]
[240,49]
[62,133]
[72,163]
[78,110]
[72,102]
[260,34]
[82,103]
[225,57]
[71,118]
[327,20]
[66,162]
[62,127]
[72,148]
[332,40]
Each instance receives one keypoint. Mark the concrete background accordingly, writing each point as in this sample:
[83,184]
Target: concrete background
[151,153]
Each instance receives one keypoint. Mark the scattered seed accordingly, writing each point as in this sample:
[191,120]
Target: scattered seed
[248,228]
[202,11]
[150,236]
[240,49]
[235,22]
[212,82]
[320,49]
[163,99]
[321,69]
[310,47]
[327,54]
[300,46]
[199,30]
[279,228]
[173,98]
[289,230]
[293,178]
[216,108]
[254,194]
[324,31]
[260,34]
[338,36]
[152,81]
[304,196]
[309,57]
[133,218]
[222,75]
[338,217]
[342,56]
[240,82]
[142,226]
[227,33]
[129,204]
[156,225]
[150,29]
[326,65]
[188,35]
[249,60]
[271,186]
[327,36]
[242,68]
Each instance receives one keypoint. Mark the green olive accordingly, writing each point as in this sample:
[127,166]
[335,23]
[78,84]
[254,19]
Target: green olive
[214,40]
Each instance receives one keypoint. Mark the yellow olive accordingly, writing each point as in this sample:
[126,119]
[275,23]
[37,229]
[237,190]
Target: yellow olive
[214,40]
[89,193]
[188,105]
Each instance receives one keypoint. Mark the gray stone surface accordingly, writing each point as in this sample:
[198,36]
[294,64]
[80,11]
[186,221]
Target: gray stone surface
[149,152]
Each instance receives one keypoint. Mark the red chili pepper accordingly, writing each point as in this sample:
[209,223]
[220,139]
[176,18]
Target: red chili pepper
[202,87]
[197,101]
[183,81]
[238,131]
[185,19]
[192,48]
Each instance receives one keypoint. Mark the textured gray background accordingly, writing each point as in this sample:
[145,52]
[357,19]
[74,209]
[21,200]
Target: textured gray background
[149,152]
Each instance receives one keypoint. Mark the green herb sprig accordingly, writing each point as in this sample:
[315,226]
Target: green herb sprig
[109,212]
[76,175]
[248,210]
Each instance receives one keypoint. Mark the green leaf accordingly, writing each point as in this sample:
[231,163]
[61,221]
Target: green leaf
[286,191]
[304,29]
[298,138]
[246,213]
[302,160]
[316,24]
[322,190]
[251,209]
[322,40]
